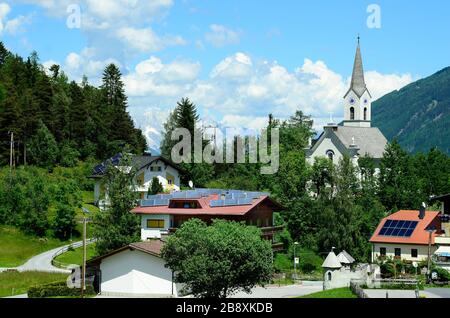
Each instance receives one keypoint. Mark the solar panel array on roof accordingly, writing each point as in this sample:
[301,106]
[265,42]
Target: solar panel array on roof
[400,228]
[101,168]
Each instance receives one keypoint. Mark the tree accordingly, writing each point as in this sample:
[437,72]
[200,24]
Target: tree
[117,226]
[43,148]
[155,186]
[64,222]
[218,260]
[398,185]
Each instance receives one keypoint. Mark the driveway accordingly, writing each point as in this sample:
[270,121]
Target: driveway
[43,262]
[288,291]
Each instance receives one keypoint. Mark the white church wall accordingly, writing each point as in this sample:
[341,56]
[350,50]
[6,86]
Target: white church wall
[322,149]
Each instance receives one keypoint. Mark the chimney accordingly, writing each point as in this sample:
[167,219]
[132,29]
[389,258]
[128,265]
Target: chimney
[422,211]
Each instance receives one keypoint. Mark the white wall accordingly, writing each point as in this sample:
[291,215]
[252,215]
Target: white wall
[136,272]
[422,251]
[161,175]
[147,233]
[321,151]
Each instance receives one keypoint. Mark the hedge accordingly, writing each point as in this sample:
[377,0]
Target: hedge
[57,289]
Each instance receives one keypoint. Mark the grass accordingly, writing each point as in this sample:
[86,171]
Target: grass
[344,292]
[16,247]
[20,282]
[76,256]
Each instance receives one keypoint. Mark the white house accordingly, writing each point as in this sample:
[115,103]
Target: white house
[148,167]
[353,137]
[135,270]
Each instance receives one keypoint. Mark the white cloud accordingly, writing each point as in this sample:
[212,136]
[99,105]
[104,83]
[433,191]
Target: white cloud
[379,84]
[11,26]
[220,35]
[233,67]
[146,40]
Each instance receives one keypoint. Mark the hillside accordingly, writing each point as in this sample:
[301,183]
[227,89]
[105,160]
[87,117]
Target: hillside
[418,115]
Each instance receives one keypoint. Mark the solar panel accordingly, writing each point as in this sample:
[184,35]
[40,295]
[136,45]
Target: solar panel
[148,202]
[398,228]
[245,201]
[216,203]
[230,202]
[161,202]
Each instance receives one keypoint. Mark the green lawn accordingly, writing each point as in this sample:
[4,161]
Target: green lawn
[76,256]
[15,283]
[344,292]
[16,247]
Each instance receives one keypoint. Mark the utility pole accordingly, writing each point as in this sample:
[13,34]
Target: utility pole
[83,269]
[83,273]
[295,263]
[430,232]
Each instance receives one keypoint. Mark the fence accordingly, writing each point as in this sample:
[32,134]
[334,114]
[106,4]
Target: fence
[64,249]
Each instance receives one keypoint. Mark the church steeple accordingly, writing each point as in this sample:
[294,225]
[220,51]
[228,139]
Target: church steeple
[358,85]
[357,107]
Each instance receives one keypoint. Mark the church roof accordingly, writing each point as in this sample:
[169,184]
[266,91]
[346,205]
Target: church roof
[331,261]
[358,85]
[369,140]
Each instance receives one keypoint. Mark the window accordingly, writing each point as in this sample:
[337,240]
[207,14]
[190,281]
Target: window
[157,168]
[352,113]
[330,154]
[365,113]
[329,275]
[382,251]
[398,252]
[155,224]
[414,252]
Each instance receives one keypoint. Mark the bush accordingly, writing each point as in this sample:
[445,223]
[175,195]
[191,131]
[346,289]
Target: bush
[57,289]
[282,263]
[443,274]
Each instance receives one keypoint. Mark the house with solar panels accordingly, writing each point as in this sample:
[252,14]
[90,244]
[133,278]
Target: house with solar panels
[407,235]
[147,167]
[164,214]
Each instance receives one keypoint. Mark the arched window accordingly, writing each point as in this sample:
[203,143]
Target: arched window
[352,113]
[330,154]
[365,113]
[329,275]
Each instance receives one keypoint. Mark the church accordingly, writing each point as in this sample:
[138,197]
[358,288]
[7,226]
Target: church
[354,136]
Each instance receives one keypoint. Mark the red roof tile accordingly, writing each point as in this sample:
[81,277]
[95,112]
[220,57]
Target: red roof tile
[419,236]
[205,209]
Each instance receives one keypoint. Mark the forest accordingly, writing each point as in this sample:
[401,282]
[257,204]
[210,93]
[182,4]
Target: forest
[62,128]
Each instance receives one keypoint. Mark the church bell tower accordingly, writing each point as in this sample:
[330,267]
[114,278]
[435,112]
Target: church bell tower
[357,100]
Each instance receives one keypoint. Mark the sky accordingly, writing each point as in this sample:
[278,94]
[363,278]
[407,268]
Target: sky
[236,60]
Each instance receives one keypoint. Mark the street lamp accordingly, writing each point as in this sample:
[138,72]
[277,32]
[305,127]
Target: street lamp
[295,262]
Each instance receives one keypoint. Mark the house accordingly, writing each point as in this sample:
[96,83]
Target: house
[354,136]
[147,167]
[163,214]
[442,254]
[135,270]
[407,234]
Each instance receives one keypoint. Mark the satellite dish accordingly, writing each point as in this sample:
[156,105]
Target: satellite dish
[191,184]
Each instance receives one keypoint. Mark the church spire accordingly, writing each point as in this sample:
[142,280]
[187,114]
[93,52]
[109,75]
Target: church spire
[358,85]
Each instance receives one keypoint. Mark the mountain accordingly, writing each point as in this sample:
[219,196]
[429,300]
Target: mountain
[418,115]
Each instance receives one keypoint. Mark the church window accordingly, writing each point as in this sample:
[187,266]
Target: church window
[330,154]
[352,113]
[365,113]
[329,275]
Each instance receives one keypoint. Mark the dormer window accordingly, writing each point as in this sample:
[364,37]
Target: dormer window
[155,168]
[184,205]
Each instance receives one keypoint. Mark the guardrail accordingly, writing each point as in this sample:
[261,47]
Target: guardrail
[65,249]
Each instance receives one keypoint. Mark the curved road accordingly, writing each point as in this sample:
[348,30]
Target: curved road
[43,262]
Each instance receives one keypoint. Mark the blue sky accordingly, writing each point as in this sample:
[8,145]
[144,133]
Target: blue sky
[237,60]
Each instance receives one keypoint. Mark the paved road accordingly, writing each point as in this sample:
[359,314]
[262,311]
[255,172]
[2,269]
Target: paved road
[43,262]
[288,291]
[397,293]
[439,292]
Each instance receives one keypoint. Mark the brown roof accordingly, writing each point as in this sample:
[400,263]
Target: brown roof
[420,235]
[152,247]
